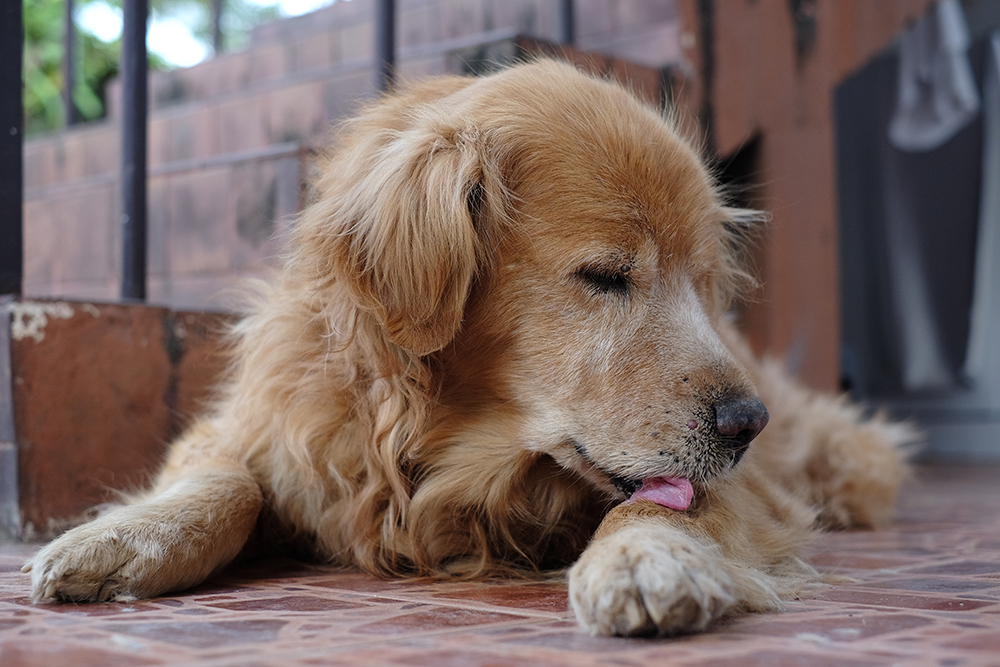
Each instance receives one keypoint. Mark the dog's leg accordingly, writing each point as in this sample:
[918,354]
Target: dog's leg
[654,571]
[196,520]
[649,579]
[824,449]
[855,466]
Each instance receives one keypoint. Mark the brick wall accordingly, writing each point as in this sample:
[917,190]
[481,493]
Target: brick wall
[93,392]
[229,139]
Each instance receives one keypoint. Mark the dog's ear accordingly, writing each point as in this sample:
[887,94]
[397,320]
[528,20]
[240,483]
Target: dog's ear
[397,209]
[740,230]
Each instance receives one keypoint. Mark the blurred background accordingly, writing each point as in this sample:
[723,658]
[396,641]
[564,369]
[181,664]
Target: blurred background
[870,129]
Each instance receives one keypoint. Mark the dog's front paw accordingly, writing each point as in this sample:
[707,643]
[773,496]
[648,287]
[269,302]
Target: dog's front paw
[648,580]
[116,557]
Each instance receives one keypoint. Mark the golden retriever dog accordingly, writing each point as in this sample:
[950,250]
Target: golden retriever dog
[498,345]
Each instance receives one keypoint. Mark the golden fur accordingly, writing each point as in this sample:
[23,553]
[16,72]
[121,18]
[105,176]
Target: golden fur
[507,294]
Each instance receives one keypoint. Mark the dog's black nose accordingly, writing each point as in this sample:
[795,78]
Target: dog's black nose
[740,420]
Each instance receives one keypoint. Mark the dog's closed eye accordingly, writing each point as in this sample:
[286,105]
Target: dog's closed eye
[607,279]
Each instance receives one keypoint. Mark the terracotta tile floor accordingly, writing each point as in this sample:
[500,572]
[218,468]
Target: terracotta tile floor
[924,592]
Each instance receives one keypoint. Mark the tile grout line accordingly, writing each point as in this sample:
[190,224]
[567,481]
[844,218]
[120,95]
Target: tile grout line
[555,616]
[360,643]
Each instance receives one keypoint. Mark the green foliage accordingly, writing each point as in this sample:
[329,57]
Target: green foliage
[43,52]
[97,61]
[238,18]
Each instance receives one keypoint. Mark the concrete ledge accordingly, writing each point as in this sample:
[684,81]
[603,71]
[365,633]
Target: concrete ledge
[90,395]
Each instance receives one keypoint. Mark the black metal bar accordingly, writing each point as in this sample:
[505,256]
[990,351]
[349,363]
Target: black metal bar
[69,64]
[385,44]
[567,23]
[706,21]
[11,145]
[217,26]
[10,492]
[134,69]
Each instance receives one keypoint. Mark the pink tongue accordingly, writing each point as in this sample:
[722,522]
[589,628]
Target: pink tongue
[672,492]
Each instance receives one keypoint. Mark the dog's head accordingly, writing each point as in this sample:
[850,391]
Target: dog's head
[551,246]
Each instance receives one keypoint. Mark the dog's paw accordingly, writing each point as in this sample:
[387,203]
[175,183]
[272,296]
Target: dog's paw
[166,543]
[648,580]
[114,558]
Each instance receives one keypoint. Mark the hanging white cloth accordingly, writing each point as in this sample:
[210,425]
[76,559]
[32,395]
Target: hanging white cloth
[936,97]
[982,361]
[937,94]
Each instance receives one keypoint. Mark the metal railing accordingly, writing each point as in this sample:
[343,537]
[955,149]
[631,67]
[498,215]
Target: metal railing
[385,44]
[11,146]
[135,69]
[134,72]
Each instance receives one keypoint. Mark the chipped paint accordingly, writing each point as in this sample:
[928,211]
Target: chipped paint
[29,318]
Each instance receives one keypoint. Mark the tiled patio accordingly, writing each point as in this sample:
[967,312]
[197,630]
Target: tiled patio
[924,592]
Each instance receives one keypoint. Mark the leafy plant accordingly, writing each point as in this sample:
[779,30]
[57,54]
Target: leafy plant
[97,60]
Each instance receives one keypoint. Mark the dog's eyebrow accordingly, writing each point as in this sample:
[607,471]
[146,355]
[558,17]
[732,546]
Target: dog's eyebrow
[612,257]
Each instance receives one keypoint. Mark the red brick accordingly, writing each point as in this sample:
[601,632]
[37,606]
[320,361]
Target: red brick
[107,289]
[39,162]
[656,47]
[97,392]
[201,363]
[315,50]
[268,62]
[195,132]
[253,198]
[418,25]
[641,14]
[159,140]
[223,74]
[159,204]
[346,92]
[199,222]
[88,403]
[209,291]
[264,195]
[415,68]
[356,41]
[593,17]
[70,237]
[461,17]
[70,156]
[41,237]
[296,112]
[241,124]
